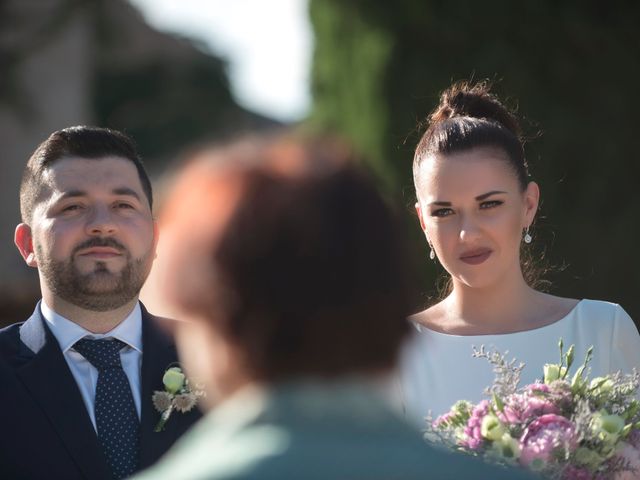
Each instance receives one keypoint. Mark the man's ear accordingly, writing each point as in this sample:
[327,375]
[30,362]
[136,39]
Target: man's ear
[156,237]
[24,242]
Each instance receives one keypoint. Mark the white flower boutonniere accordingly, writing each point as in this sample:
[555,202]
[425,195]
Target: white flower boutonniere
[179,394]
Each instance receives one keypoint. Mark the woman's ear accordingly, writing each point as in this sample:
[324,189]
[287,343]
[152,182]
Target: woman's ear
[531,202]
[420,217]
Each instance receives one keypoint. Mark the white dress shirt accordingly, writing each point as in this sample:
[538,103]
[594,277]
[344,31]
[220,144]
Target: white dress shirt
[67,333]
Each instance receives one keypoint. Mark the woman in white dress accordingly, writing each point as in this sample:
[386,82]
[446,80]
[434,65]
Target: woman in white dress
[476,204]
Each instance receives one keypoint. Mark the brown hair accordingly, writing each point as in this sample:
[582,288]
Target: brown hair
[469,116]
[309,275]
[81,141]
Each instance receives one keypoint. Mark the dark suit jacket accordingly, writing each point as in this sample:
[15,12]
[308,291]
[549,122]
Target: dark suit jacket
[45,430]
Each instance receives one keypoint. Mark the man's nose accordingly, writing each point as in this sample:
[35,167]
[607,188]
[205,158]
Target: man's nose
[101,221]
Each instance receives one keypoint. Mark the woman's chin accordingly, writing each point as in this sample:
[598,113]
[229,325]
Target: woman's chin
[475,281]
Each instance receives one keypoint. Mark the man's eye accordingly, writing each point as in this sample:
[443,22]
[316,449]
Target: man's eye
[442,212]
[490,204]
[71,208]
[124,205]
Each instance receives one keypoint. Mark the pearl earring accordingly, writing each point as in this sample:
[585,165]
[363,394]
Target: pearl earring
[432,253]
[527,236]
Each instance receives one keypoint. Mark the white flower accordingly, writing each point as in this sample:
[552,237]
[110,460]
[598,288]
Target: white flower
[178,395]
[552,372]
[507,448]
[184,402]
[161,400]
[607,427]
[492,428]
[588,457]
[173,379]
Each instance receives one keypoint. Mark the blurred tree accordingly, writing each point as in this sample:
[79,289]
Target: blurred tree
[572,68]
[165,91]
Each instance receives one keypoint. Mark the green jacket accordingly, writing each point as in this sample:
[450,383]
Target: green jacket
[311,431]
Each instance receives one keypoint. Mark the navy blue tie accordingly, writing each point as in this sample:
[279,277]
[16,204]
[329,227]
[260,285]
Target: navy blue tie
[116,417]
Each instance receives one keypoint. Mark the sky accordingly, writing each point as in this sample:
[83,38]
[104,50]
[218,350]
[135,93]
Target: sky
[268,44]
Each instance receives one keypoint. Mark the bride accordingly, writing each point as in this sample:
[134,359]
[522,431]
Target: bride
[476,206]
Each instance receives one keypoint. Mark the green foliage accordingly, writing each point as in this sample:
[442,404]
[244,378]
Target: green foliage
[349,78]
[573,68]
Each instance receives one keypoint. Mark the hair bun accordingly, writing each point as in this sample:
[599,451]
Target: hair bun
[463,99]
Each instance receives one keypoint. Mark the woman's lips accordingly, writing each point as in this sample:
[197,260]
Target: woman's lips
[476,257]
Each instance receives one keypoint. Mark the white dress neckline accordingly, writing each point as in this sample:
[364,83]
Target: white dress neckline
[424,329]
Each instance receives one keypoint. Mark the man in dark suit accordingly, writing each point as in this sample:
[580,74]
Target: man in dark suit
[77,378]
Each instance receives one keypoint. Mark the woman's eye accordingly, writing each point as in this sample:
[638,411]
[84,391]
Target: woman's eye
[490,204]
[442,212]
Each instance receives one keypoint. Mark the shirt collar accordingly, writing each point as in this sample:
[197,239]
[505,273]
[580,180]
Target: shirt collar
[67,332]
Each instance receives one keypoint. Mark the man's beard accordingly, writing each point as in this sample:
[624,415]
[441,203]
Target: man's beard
[99,290]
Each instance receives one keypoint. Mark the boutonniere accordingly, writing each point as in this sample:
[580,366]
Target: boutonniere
[179,394]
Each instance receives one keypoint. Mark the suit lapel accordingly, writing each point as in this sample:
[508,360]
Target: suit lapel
[48,379]
[157,355]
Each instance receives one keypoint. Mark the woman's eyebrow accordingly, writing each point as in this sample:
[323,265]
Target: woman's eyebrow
[488,194]
[442,203]
[439,203]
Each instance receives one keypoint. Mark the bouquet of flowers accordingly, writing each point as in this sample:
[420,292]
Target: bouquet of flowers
[564,427]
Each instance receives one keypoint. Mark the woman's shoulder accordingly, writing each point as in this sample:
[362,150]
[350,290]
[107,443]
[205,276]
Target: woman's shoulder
[584,309]
[431,318]
[604,318]
[601,310]
[548,309]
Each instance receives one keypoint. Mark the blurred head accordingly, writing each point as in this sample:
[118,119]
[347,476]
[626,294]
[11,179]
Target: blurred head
[471,178]
[290,259]
[88,226]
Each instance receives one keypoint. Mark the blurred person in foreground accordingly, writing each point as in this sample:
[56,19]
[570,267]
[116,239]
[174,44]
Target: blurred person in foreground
[77,378]
[291,271]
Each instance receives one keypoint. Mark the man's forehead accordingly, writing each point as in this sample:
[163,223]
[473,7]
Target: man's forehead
[75,173]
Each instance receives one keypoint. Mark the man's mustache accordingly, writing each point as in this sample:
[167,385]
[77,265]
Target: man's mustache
[100,242]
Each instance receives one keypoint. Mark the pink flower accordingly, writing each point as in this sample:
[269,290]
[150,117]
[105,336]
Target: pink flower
[537,406]
[520,408]
[634,438]
[545,435]
[442,420]
[537,387]
[473,430]
[631,455]
[576,473]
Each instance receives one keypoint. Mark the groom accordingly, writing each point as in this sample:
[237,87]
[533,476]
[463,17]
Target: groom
[77,378]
